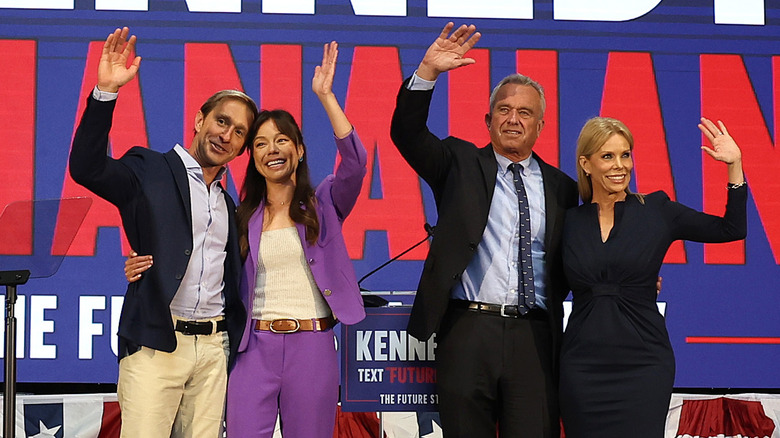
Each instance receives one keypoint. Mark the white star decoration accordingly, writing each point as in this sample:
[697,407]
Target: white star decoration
[45,432]
[437,432]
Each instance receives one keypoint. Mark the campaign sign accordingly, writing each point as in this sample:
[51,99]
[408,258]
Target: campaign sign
[384,368]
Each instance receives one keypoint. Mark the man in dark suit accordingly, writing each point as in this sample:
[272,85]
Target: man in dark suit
[181,321]
[492,285]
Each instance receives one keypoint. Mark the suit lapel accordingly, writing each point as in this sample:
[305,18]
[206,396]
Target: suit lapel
[304,244]
[551,182]
[182,183]
[255,230]
[489,167]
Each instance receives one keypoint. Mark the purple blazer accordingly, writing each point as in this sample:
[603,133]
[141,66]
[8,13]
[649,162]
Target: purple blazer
[328,259]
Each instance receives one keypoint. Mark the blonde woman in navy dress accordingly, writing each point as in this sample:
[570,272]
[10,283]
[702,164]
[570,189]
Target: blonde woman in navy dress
[617,364]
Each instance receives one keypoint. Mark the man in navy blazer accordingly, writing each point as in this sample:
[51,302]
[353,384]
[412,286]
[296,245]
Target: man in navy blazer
[496,356]
[183,319]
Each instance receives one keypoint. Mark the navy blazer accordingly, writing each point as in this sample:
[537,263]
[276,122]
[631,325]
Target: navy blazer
[151,191]
[462,178]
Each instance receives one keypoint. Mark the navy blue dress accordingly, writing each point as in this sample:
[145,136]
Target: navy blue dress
[617,364]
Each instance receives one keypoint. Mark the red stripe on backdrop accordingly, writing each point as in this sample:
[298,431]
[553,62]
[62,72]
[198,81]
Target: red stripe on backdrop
[280,78]
[373,85]
[19,69]
[111,423]
[730,340]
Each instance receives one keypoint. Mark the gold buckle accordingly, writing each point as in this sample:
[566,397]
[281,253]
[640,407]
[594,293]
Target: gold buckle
[293,330]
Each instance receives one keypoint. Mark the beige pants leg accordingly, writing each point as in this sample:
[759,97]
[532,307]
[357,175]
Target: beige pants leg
[179,394]
[203,402]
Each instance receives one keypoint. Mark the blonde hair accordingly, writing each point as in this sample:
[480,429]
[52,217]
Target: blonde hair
[593,135]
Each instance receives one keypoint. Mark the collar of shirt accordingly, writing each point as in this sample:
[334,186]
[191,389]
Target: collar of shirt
[527,164]
[193,166]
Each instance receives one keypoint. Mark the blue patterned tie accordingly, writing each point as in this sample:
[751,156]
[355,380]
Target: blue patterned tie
[525,274]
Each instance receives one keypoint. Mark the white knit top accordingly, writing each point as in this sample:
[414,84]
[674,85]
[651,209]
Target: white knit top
[285,286]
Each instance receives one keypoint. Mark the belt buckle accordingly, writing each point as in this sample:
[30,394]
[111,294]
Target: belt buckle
[186,327]
[297,326]
[503,311]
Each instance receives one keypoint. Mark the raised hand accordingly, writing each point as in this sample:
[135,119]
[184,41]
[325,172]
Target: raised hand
[113,71]
[136,265]
[322,85]
[724,148]
[322,82]
[446,53]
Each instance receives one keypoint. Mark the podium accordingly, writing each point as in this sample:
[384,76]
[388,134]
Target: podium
[34,238]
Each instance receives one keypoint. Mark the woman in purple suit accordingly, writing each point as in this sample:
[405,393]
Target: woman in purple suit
[297,279]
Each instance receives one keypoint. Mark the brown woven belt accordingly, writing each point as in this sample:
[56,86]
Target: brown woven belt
[290,325]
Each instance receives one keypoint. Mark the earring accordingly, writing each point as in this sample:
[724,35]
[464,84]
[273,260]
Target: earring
[300,160]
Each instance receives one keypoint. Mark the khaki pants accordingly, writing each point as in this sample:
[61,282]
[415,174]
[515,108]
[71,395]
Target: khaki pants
[179,394]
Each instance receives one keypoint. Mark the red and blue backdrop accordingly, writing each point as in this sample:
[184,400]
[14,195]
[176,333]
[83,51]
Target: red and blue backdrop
[656,64]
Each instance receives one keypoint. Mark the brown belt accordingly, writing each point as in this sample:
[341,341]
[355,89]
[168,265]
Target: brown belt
[290,325]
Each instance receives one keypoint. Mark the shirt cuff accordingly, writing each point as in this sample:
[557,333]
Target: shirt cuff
[103,96]
[419,84]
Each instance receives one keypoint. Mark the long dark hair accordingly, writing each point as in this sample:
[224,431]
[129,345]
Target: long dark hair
[254,191]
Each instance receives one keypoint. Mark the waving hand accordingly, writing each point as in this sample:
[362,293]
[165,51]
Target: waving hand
[322,85]
[447,52]
[113,71]
[724,148]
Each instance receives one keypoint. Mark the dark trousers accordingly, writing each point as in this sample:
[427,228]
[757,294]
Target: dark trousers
[495,374]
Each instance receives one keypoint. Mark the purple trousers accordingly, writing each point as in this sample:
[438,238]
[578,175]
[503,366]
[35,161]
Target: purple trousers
[293,375]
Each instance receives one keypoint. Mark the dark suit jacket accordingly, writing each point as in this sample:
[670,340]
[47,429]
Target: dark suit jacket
[151,191]
[463,178]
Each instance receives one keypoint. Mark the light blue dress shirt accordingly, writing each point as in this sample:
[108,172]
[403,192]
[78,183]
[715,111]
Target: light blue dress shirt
[200,293]
[492,275]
